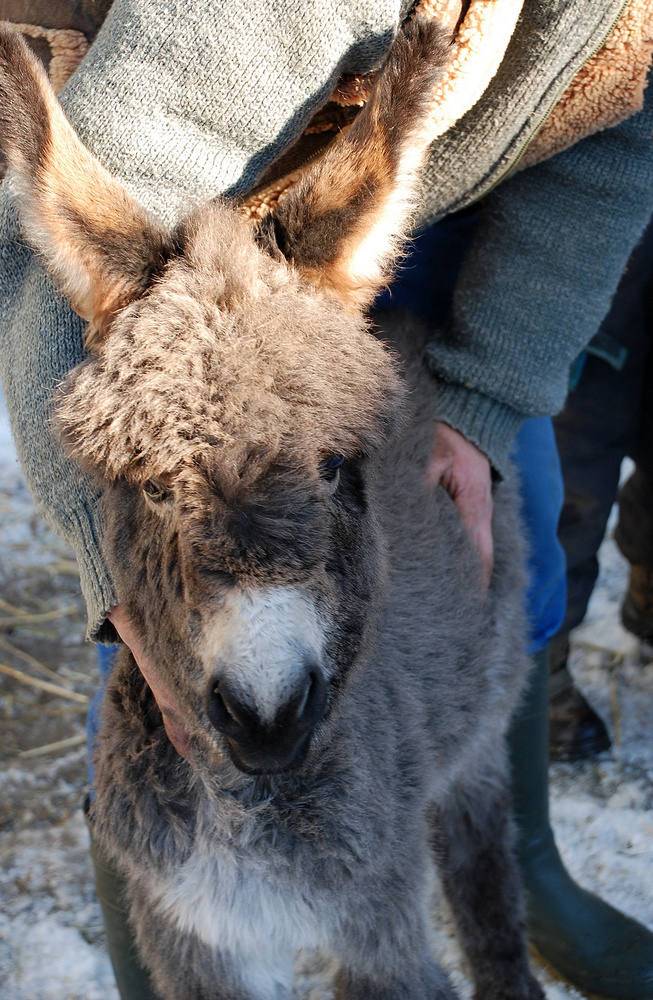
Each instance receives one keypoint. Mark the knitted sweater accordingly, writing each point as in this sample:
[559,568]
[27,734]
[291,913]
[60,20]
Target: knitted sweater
[538,279]
[182,106]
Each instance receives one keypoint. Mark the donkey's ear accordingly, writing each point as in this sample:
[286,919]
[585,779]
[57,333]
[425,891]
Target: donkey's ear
[99,244]
[344,225]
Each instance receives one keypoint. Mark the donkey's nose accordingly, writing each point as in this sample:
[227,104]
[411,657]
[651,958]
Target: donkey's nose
[260,745]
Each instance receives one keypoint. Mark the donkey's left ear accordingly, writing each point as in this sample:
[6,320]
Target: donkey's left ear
[99,244]
[344,224]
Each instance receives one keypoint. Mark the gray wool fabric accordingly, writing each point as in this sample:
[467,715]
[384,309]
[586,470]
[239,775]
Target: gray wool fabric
[551,42]
[183,102]
[538,279]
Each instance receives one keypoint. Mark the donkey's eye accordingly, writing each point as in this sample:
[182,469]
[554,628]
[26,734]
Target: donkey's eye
[155,491]
[330,469]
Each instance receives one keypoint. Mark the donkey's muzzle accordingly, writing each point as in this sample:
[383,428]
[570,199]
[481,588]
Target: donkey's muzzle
[257,745]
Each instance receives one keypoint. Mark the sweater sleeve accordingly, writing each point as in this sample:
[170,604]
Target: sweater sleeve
[181,102]
[537,281]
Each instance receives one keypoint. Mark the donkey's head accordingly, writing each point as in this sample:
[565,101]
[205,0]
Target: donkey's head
[234,403]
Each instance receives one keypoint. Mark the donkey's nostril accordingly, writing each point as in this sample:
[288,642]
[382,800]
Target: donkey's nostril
[229,701]
[312,701]
[225,711]
[304,698]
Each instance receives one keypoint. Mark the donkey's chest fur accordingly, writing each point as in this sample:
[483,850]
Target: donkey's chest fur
[242,894]
[229,901]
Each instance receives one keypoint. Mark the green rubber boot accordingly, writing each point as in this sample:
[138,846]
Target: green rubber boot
[132,979]
[594,946]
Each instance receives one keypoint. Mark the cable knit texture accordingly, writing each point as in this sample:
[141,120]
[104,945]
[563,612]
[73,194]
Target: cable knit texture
[182,102]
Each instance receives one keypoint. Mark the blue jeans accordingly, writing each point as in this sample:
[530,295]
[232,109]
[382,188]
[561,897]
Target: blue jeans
[106,656]
[542,493]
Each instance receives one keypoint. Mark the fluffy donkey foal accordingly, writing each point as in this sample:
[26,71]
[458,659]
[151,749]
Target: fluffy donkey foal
[313,606]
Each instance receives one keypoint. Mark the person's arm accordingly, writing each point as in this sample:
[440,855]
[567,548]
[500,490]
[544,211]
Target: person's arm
[181,103]
[537,281]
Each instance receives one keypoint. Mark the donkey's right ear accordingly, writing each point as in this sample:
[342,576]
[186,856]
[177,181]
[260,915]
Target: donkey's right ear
[344,225]
[98,243]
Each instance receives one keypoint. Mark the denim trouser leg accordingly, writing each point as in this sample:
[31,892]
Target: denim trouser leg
[106,656]
[542,493]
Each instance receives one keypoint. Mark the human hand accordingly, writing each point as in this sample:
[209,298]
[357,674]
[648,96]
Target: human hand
[175,729]
[464,471]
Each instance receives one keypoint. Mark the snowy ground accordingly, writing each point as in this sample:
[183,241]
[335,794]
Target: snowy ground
[51,941]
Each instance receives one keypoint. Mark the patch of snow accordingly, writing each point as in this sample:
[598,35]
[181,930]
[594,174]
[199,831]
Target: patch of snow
[52,960]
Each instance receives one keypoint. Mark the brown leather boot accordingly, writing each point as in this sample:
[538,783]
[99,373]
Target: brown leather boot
[575,730]
[637,608]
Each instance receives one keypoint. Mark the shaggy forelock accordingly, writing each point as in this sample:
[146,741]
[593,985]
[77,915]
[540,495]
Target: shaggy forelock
[228,351]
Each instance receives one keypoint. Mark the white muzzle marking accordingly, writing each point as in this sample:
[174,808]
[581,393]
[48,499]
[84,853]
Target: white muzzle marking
[261,640]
